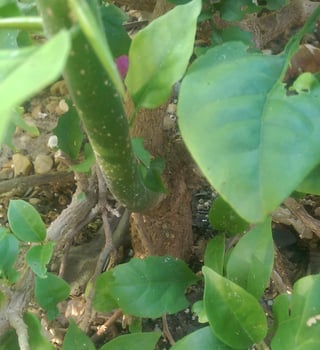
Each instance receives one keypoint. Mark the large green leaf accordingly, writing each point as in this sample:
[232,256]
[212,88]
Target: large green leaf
[298,317]
[25,222]
[215,253]
[235,316]
[244,131]
[136,341]
[146,287]
[311,183]
[25,72]
[159,55]
[250,262]
[202,339]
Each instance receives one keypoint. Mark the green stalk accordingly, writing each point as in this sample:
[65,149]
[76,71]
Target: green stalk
[23,23]
[101,110]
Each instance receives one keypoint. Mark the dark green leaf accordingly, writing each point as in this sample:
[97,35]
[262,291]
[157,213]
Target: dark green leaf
[118,38]
[223,218]
[251,260]
[214,254]
[89,159]
[69,133]
[202,339]
[276,4]
[25,222]
[9,340]
[38,257]
[37,340]
[150,287]
[49,292]
[76,339]
[235,316]
[136,341]
[9,250]
[152,175]
[235,10]
[244,131]
[160,53]
[298,317]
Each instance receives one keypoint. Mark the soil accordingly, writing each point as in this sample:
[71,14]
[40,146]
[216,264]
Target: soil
[296,257]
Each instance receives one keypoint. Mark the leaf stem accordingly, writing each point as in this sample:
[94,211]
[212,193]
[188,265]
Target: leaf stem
[23,23]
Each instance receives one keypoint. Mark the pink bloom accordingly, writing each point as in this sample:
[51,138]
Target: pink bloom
[122,63]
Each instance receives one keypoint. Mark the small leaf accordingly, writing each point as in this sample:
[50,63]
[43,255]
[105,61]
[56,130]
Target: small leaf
[223,218]
[37,340]
[160,53]
[25,222]
[202,339]
[234,10]
[214,254]
[38,257]
[150,287]
[298,317]
[89,159]
[9,250]
[103,300]
[235,316]
[199,310]
[75,338]
[69,133]
[140,152]
[251,260]
[136,341]
[49,292]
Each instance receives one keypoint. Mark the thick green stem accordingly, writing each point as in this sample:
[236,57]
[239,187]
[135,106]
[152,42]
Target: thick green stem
[101,110]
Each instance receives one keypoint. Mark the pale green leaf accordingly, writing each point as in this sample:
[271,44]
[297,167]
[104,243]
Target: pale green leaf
[160,53]
[136,341]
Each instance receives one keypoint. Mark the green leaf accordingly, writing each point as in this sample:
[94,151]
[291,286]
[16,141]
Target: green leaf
[92,27]
[199,309]
[223,218]
[311,183]
[214,254]
[148,287]
[118,38]
[202,339]
[37,340]
[251,260]
[24,72]
[69,133]
[103,299]
[9,340]
[38,257]
[9,250]
[234,10]
[89,159]
[244,131]
[276,4]
[136,341]
[298,318]
[235,316]
[140,152]
[152,175]
[160,53]
[76,339]
[49,292]
[25,222]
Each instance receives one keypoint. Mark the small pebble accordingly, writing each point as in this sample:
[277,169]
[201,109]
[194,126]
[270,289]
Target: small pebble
[43,164]
[21,165]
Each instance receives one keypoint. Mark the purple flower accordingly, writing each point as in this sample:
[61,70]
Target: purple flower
[122,63]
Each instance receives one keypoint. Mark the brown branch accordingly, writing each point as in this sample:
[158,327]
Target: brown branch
[24,182]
